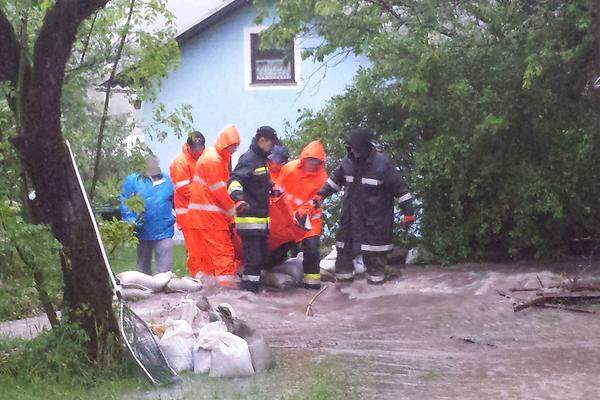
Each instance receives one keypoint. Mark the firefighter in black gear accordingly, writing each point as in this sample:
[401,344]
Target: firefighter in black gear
[372,185]
[250,187]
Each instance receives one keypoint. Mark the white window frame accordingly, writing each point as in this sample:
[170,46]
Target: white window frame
[248,85]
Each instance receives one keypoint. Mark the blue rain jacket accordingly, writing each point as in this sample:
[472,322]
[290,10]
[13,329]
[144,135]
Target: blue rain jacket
[157,220]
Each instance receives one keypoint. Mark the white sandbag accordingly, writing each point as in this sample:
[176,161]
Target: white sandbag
[359,265]
[177,345]
[412,256]
[134,292]
[155,283]
[292,267]
[277,280]
[184,284]
[260,353]
[230,357]
[201,359]
[185,310]
[205,338]
[161,280]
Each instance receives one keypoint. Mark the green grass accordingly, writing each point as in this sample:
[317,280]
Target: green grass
[124,259]
[54,366]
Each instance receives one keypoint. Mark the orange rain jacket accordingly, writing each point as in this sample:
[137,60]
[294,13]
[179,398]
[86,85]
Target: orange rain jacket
[301,187]
[210,205]
[182,173]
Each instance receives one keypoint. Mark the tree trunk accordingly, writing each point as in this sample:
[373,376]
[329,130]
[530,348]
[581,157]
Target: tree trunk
[46,160]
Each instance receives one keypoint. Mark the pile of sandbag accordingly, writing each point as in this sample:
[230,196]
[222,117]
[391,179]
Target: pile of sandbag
[135,285]
[211,341]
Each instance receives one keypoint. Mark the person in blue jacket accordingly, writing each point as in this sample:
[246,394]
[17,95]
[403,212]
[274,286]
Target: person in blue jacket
[154,227]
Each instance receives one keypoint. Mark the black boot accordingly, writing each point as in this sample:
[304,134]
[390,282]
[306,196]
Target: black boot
[249,286]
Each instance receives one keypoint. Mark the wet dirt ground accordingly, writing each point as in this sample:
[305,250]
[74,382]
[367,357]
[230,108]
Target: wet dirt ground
[406,339]
[436,333]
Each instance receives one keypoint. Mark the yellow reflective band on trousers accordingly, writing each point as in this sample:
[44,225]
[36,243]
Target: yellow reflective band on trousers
[312,276]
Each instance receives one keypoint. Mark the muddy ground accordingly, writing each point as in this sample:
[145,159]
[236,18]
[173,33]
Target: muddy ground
[406,339]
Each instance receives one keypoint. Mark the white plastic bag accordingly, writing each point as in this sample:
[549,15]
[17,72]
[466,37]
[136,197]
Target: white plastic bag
[230,357]
[328,263]
[155,283]
[412,256]
[359,265]
[184,284]
[177,345]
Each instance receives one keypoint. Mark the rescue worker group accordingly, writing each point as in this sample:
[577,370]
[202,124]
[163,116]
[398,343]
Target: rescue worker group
[251,217]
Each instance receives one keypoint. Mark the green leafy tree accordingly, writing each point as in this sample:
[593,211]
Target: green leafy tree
[490,109]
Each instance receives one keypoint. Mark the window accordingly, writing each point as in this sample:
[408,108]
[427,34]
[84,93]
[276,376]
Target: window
[271,66]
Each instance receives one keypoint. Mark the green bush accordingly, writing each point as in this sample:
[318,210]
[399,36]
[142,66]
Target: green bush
[490,110]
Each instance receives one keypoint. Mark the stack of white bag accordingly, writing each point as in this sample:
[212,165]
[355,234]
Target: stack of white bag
[328,263]
[224,349]
[136,285]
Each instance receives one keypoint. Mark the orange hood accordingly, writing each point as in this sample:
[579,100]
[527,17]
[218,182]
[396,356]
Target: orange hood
[314,150]
[228,137]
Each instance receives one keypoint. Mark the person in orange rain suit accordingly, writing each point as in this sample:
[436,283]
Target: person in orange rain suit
[300,180]
[282,232]
[182,173]
[211,211]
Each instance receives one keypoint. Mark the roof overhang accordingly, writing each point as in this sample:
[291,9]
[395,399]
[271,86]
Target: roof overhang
[209,19]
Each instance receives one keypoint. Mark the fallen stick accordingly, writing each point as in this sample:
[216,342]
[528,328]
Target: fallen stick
[532,303]
[560,307]
[308,312]
[568,288]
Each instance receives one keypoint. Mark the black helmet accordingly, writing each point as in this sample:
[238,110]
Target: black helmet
[359,140]
[267,132]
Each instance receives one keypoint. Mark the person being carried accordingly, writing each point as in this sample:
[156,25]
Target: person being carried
[250,188]
[211,212]
[300,180]
[182,174]
[154,226]
[372,185]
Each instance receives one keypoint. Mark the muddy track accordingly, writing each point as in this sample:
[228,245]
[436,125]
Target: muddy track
[437,333]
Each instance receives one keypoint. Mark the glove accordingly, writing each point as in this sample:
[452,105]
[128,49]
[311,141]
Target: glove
[317,201]
[301,221]
[276,192]
[408,220]
[241,206]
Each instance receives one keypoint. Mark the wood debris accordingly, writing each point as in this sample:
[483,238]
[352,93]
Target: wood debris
[562,297]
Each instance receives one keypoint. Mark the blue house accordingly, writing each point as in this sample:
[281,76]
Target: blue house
[228,78]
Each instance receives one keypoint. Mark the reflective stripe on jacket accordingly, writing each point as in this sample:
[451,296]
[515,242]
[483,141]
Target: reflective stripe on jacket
[182,174]
[372,186]
[300,186]
[210,206]
[251,183]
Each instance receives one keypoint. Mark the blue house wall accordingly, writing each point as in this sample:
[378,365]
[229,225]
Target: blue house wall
[211,77]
